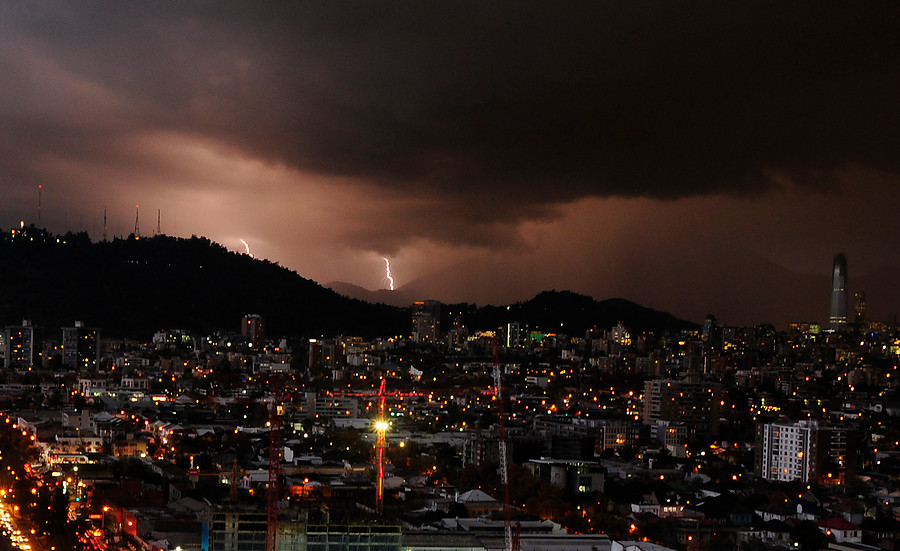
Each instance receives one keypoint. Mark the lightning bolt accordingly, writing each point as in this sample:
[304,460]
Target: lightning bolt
[387,272]
[247,247]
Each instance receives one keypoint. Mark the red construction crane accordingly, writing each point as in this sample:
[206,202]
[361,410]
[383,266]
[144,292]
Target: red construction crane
[510,543]
[380,445]
[275,453]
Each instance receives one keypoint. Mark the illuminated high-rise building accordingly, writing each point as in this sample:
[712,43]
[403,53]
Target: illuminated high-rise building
[20,345]
[805,451]
[426,321]
[838,318]
[253,328]
[860,307]
[695,404]
[79,347]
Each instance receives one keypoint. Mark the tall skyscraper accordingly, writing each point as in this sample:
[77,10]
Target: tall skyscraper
[838,319]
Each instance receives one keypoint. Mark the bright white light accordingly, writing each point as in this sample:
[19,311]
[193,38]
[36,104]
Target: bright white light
[387,273]
[381,426]
[247,248]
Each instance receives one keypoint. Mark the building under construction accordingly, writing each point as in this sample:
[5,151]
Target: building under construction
[245,529]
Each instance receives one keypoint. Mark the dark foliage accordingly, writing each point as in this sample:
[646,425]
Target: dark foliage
[133,287]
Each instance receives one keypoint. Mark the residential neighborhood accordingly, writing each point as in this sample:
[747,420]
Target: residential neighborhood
[714,438]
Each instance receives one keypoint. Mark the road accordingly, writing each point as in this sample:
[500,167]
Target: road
[19,532]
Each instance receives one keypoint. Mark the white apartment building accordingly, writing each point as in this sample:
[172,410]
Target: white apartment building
[787,450]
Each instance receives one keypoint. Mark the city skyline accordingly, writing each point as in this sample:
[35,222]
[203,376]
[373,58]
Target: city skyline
[691,160]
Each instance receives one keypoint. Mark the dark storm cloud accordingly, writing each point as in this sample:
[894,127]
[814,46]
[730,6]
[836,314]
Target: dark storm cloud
[462,102]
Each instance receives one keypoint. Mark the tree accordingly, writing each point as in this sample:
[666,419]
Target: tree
[808,535]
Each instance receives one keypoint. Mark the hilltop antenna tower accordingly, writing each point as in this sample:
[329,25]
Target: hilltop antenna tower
[105,227]
[40,191]
[137,228]
[157,232]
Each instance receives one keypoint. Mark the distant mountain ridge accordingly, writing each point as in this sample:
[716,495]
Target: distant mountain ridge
[743,292]
[573,313]
[134,287]
[401,297]
[553,311]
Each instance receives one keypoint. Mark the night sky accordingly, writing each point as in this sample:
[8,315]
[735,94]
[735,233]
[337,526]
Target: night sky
[695,157]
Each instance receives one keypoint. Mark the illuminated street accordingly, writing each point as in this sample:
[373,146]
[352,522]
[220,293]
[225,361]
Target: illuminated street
[16,528]
[32,509]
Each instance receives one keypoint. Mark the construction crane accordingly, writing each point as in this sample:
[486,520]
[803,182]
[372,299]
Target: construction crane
[235,474]
[232,479]
[380,445]
[510,543]
[275,451]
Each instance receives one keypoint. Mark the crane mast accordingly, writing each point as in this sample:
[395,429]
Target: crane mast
[275,451]
[509,544]
[380,445]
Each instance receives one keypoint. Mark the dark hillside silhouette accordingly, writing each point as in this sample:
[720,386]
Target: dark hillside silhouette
[133,287]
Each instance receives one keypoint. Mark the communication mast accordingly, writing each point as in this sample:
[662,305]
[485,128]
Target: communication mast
[105,227]
[157,231]
[510,544]
[137,228]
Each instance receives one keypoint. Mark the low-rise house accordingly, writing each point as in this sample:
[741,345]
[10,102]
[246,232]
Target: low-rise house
[478,503]
[136,446]
[776,532]
[842,529]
